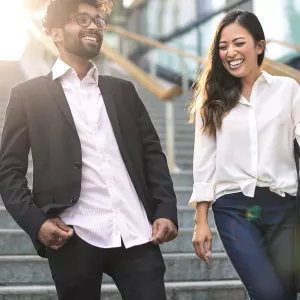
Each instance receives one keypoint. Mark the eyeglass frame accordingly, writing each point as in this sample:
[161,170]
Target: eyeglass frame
[91,19]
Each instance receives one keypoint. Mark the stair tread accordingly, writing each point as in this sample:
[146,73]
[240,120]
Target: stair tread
[166,255]
[15,289]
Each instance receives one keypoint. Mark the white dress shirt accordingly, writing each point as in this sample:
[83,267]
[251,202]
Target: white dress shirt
[254,146]
[108,208]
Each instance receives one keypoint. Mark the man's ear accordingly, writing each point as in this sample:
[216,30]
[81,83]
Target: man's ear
[261,46]
[56,35]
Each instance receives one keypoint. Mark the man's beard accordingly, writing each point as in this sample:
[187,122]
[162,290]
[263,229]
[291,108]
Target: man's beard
[75,45]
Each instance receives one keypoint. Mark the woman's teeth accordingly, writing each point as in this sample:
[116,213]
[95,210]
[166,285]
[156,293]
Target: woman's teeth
[235,63]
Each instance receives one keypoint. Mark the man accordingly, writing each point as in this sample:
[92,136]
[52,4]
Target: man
[102,197]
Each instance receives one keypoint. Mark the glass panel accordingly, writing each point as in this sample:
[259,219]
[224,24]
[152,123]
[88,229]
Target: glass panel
[281,24]
[197,41]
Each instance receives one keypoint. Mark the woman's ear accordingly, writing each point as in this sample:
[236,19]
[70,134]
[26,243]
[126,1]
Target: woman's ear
[261,46]
[56,35]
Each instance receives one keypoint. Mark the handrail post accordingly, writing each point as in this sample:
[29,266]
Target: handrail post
[125,48]
[170,135]
[120,44]
[185,76]
[152,59]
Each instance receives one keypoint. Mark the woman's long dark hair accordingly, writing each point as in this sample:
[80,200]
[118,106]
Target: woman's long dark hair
[220,90]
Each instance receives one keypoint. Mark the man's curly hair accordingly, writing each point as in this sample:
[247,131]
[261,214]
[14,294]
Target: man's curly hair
[58,11]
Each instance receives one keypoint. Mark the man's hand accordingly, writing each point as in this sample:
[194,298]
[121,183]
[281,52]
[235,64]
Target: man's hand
[54,233]
[163,230]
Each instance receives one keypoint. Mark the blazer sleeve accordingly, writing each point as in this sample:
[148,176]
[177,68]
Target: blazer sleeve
[14,151]
[204,163]
[157,173]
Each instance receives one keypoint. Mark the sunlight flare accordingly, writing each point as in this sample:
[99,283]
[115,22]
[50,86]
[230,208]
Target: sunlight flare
[13,29]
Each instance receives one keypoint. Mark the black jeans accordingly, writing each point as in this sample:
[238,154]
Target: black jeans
[257,234]
[77,270]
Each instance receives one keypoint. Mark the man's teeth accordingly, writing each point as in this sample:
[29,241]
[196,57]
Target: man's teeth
[90,38]
[236,63]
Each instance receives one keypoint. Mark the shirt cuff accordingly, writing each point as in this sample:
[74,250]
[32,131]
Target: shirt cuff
[202,192]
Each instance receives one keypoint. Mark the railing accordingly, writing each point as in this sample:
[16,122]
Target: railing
[140,75]
[285,44]
[280,69]
[271,66]
[121,32]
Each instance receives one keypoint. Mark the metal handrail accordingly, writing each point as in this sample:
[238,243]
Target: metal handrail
[274,67]
[140,75]
[285,44]
[152,42]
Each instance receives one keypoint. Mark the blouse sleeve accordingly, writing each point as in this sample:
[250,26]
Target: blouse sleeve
[296,111]
[204,163]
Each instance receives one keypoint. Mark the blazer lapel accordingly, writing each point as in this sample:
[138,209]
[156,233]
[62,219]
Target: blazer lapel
[108,99]
[107,90]
[58,94]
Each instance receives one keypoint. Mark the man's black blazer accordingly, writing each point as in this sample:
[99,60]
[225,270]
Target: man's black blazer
[38,119]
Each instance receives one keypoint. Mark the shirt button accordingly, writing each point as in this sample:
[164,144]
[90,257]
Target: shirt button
[74,200]
[77,165]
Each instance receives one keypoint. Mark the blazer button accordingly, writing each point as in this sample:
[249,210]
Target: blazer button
[77,165]
[74,200]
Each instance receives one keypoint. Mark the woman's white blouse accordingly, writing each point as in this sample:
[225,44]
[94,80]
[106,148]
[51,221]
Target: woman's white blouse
[254,146]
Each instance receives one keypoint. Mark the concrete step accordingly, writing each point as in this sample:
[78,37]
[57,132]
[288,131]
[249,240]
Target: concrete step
[179,109]
[183,142]
[186,154]
[184,164]
[184,178]
[16,242]
[180,119]
[183,194]
[183,152]
[186,217]
[213,290]
[158,107]
[183,243]
[189,267]
[181,129]
[179,267]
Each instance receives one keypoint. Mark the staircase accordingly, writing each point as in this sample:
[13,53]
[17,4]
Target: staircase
[25,276]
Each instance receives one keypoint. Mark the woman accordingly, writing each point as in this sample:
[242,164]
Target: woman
[246,122]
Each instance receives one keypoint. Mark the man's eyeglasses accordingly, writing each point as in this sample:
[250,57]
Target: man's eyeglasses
[85,20]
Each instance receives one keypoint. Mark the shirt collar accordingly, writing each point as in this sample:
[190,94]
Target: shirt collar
[266,76]
[60,69]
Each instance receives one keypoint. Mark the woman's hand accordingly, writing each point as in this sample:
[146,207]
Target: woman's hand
[202,240]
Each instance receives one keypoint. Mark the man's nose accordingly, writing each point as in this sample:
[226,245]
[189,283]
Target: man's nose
[93,26]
